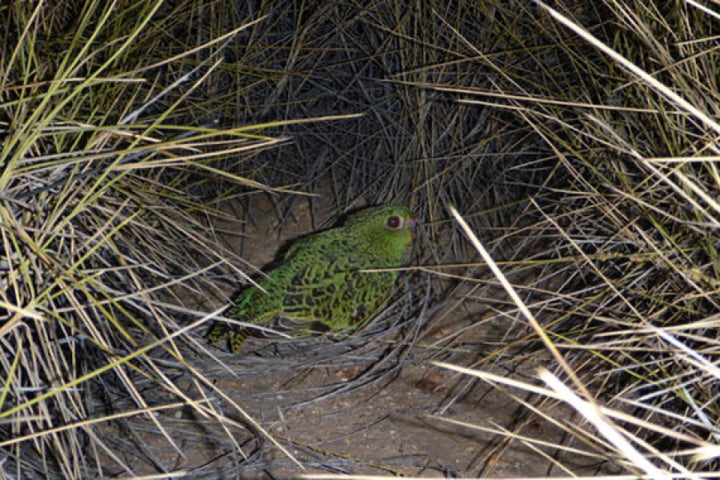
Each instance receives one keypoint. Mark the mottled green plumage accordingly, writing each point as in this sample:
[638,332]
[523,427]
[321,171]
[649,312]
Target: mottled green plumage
[319,284]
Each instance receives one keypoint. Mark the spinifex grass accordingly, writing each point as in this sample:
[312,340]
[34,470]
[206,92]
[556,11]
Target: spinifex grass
[591,179]
[104,230]
[626,298]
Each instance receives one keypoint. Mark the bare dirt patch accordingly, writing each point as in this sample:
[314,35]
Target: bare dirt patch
[372,407]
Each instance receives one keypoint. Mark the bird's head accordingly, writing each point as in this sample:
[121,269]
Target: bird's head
[385,230]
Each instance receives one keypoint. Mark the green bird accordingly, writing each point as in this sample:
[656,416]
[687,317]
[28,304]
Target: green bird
[321,284]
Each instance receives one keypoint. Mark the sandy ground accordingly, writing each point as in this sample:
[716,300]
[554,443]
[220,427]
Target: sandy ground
[356,411]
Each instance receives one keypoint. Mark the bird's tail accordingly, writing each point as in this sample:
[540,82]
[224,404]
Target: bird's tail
[217,332]
[235,336]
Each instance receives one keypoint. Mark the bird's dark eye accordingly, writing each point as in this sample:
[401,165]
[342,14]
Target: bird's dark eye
[394,222]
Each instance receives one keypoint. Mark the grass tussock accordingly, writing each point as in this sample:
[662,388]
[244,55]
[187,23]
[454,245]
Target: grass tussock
[628,237]
[578,142]
[105,216]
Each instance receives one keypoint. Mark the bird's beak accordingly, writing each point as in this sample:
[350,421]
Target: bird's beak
[412,224]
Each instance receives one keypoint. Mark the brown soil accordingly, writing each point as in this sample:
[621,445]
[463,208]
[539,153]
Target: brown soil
[357,412]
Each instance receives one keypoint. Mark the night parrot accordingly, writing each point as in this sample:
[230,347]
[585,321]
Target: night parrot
[320,284]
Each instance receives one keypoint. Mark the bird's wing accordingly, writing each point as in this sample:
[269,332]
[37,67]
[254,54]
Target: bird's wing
[336,294]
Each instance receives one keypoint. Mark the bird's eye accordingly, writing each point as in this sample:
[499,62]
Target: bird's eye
[394,222]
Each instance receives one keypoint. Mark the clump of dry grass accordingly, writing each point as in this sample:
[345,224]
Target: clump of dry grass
[627,242]
[128,129]
[104,228]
